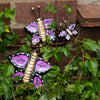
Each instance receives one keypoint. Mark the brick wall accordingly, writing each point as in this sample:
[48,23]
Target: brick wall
[24,14]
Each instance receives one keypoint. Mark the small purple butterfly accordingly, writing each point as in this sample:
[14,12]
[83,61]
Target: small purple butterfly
[34,27]
[20,61]
[70,31]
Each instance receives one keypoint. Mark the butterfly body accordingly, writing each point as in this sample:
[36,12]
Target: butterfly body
[29,68]
[41,28]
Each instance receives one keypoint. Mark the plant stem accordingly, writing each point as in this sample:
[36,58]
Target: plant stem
[73,58]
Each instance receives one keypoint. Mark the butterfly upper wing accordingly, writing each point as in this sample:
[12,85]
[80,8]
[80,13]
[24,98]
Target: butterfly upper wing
[32,27]
[41,66]
[47,22]
[19,60]
[63,33]
[72,27]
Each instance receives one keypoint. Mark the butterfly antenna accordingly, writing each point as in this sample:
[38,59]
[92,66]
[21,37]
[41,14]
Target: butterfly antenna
[34,12]
[65,23]
[60,25]
[38,10]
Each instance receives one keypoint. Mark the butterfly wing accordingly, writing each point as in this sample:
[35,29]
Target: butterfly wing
[74,32]
[32,27]
[36,79]
[72,27]
[51,33]
[68,37]
[19,60]
[47,22]
[19,73]
[62,33]
[41,66]
[35,39]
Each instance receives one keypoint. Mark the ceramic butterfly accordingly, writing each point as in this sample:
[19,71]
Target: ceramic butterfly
[40,29]
[30,67]
[68,32]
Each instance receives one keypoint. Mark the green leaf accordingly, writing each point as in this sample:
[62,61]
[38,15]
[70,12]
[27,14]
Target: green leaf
[71,87]
[9,42]
[99,43]
[52,97]
[59,91]
[86,84]
[96,81]
[57,68]
[93,66]
[17,78]
[9,36]
[68,68]
[38,91]
[69,10]
[98,74]
[9,13]
[65,5]
[9,70]
[87,93]
[50,8]
[49,4]
[1,14]
[87,55]
[46,9]
[44,97]
[19,90]
[6,90]
[90,44]
[24,48]
[79,88]
[1,29]
[53,74]
[57,57]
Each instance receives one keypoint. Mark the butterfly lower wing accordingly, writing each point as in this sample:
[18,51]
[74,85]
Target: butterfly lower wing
[68,37]
[36,79]
[32,27]
[19,60]
[74,32]
[17,76]
[35,39]
[51,34]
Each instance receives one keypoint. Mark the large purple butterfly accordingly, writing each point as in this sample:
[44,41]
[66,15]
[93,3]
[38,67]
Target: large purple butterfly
[20,61]
[34,28]
[68,32]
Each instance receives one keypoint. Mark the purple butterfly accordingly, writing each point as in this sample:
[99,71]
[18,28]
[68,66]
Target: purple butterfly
[21,61]
[40,28]
[68,32]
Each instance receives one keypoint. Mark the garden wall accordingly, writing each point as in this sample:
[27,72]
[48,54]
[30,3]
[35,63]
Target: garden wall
[24,14]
